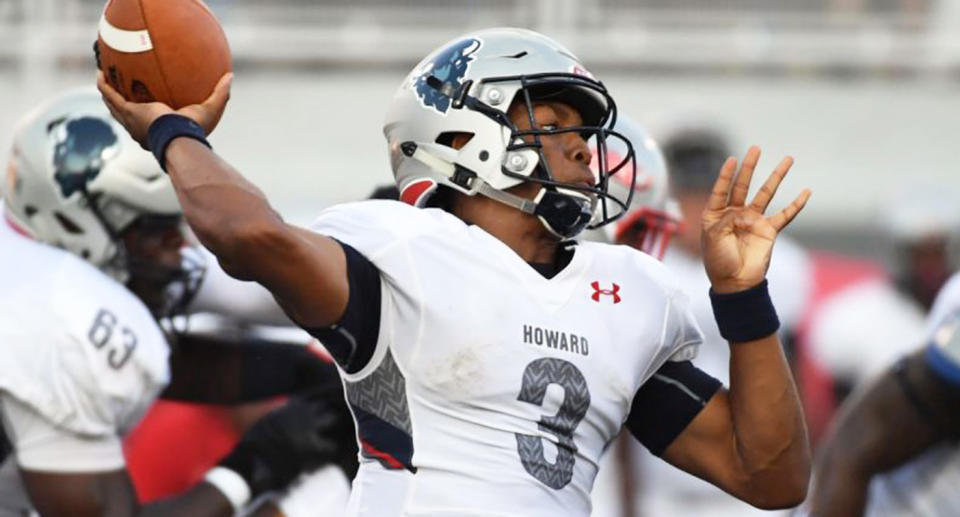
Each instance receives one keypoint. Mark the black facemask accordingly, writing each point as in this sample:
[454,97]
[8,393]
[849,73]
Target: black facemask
[165,288]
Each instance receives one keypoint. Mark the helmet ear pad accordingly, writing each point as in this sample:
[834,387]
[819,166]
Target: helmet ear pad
[455,139]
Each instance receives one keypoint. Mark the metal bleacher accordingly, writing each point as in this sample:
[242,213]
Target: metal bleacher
[655,34]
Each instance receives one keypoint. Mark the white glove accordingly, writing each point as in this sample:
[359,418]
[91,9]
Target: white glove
[324,491]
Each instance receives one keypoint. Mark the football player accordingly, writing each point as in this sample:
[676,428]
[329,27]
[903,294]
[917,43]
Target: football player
[923,227]
[488,357]
[893,450]
[84,355]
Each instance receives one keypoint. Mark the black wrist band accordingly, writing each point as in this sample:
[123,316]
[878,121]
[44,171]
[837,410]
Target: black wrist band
[745,315]
[168,127]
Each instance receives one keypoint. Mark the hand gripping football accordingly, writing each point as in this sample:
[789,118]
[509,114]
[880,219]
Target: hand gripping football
[169,51]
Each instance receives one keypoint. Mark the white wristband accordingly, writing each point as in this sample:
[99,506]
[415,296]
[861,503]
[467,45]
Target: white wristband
[231,484]
[326,488]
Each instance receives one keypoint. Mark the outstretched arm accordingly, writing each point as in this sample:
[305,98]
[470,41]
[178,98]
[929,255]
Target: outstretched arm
[751,440]
[898,416]
[304,271]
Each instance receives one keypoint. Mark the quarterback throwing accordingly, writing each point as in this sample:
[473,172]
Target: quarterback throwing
[489,357]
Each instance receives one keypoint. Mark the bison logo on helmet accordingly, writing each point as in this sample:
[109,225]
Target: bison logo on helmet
[449,66]
[81,146]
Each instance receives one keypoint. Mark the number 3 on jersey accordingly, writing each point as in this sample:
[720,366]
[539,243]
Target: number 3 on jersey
[576,401]
[102,330]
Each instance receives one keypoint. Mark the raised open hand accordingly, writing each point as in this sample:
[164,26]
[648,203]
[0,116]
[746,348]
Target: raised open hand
[737,240]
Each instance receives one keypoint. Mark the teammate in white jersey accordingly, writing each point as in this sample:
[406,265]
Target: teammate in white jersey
[83,353]
[894,449]
[488,358]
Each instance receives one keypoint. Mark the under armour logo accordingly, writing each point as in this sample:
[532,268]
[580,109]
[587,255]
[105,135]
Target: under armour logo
[608,292]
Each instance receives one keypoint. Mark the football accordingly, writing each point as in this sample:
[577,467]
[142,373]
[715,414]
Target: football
[169,51]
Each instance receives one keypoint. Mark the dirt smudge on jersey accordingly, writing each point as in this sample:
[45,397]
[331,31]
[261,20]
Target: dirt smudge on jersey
[459,372]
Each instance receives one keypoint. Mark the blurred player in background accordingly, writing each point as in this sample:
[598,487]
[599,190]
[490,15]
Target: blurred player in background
[860,318]
[488,358]
[856,326]
[923,225]
[84,354]
[894,448]
[864,319]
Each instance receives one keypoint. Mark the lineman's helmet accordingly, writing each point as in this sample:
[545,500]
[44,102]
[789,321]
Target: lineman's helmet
[76,180]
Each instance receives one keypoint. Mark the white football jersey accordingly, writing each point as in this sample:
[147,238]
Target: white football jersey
[494,390]
[928,486]
[79,348]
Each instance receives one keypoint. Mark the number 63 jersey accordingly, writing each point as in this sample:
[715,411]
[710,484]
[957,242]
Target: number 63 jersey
[487,388]
[78,347]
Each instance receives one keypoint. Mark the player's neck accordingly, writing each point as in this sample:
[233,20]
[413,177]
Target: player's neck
[533,243]
[523,233]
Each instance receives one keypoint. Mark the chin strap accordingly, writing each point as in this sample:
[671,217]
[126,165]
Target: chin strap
[520,203]
[564,214]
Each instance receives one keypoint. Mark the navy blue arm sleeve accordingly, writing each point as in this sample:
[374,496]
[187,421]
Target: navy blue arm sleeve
[668,402]
[352,341]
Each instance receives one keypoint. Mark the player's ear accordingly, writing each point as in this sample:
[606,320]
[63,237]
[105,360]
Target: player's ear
[454,139]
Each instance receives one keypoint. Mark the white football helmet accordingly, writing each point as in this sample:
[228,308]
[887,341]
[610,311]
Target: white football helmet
[653,217]
[467,86]
[76,180]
